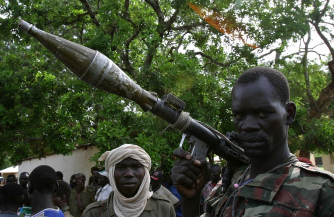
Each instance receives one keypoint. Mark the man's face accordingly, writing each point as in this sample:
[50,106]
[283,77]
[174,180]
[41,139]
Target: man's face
[80,179]
[129,175]
[215,174]
[57,201]
[102,180]
[23,179]
[155,183]
[95,175]
[259,117]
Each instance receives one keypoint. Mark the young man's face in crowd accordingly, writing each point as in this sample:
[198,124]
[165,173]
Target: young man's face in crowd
[215,174]
[129,175]
[102,180]
[80,179]
[24,179]
[259,117]
[95,175]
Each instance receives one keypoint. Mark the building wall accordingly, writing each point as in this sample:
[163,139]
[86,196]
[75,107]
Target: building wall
[327,164]
[78,162]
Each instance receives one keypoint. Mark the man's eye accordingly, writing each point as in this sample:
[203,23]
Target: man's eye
[119,168]
[263,114]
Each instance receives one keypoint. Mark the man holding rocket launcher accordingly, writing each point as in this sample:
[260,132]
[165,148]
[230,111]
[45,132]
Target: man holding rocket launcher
[269,158]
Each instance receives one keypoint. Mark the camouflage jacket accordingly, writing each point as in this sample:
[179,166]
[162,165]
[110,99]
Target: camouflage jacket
[294,190]
[156,206]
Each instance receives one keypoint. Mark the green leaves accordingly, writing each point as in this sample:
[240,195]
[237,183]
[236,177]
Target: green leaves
[165,48]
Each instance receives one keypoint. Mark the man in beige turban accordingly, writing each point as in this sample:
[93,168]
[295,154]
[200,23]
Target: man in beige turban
[128,167]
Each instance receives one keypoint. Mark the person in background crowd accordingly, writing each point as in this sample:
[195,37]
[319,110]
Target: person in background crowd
[61,196]
[222,176]
[72,181]
[173,190]
[305,160]
[93,171]
[103,192]
[156,183]
[95,183]
[80,197]
[215,172]
[11,178]
[10,199]
[59,175]
[128,168]
[41,186]
[26,208]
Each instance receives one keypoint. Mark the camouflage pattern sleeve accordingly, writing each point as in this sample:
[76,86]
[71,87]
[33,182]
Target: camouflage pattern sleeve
[325,206]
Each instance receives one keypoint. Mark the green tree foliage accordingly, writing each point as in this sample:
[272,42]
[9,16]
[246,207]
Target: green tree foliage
[166,48]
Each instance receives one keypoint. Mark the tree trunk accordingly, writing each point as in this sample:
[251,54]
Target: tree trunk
[304,153]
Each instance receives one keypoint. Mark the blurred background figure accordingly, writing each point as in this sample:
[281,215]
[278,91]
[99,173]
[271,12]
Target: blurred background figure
[80,196]
[10,199]
[26,208]
[61,196]
[215,177]
[72,181]
[104,191]
[305,160]
[94,185]
[59,175]
[93,170]
[178,210]
[11,178]
[156,184]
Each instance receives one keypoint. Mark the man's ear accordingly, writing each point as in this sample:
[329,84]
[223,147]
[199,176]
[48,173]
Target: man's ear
[291,110]
[63,198]
[30,188]
[56,187]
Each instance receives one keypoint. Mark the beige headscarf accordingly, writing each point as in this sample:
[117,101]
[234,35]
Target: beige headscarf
[134,206]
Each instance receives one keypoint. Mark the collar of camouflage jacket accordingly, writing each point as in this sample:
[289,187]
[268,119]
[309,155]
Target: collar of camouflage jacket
[264,187]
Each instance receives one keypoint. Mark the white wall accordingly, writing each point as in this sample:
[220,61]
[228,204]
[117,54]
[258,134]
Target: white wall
[326,163]
[78,162]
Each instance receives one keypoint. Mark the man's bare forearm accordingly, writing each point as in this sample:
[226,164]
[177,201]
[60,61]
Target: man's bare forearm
[79,202]
[190,207]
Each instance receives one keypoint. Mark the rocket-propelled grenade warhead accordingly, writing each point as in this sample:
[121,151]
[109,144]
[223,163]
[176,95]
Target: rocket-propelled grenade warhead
[92,67]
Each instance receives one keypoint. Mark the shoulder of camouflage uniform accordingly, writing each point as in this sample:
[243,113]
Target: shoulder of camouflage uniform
[93,205]
[314,169]
[160,197]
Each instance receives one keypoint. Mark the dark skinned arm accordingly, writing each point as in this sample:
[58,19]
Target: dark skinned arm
[188,176]
[78,190]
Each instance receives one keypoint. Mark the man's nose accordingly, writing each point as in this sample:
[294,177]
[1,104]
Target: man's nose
[128,172]
[249,123]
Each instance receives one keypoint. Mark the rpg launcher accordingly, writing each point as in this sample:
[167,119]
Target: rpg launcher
[99,71]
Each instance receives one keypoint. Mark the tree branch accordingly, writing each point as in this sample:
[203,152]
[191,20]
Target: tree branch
[92,15]
[210,58]
[155,5]
[172,19]
[306,74]
[266,54]
[323,10]
[300,52]
[190,26]
[332,24]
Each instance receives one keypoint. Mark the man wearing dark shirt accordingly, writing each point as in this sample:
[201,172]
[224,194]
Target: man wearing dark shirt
[10,198]
[80,196]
